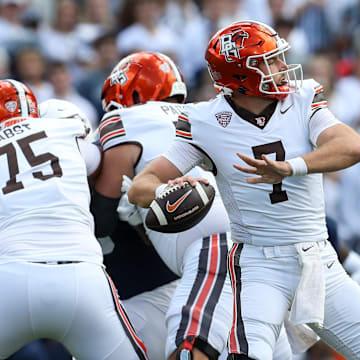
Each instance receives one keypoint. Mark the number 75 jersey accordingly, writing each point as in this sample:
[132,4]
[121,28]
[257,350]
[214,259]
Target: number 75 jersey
[262,214]
[44,195]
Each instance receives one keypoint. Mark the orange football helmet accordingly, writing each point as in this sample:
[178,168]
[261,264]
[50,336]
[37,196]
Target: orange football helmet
[16,100]
[233,56]
[141,77]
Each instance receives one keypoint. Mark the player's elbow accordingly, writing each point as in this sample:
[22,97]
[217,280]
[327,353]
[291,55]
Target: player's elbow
[352,149]
[134,194]
[352,143]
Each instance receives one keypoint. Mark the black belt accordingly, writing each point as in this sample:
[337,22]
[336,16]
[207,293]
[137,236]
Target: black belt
[56,262]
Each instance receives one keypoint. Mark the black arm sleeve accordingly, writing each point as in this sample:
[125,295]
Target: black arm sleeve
[105,215]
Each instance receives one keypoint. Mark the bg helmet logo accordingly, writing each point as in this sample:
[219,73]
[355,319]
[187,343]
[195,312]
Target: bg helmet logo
[118,76]
[229,47]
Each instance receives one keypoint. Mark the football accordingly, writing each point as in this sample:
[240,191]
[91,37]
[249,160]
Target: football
[178,208]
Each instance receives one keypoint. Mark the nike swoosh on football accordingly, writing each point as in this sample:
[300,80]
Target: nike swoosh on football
[330,264]
[172,207]
[308,248]
[284,111]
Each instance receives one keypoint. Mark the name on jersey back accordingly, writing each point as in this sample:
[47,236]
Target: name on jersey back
[13,130]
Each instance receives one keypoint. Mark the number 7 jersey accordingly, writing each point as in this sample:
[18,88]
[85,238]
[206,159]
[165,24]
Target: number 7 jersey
[261,214]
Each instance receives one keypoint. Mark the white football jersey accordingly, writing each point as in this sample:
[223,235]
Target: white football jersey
[260,214]
[44,196]
[152,127]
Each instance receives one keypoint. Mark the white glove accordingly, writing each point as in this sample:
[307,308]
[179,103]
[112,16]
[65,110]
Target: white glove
[128,212]
[126,183]
[107,245]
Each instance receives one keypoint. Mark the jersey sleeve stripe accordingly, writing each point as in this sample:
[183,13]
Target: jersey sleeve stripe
[182,117]
[319,96]
[111,135]
[183,134]
[319,101]
[183,127]
[111,128]
[318,104]
[109,121]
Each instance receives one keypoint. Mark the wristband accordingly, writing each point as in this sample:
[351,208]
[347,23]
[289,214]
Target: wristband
[298,166]
[159,189]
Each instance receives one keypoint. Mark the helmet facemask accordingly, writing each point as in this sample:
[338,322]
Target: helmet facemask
[268,85]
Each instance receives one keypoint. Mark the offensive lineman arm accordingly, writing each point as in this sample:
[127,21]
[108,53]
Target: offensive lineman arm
[92,155]
[338,148]
[117,161]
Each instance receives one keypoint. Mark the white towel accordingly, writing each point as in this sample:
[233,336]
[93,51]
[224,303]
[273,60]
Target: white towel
[309,301]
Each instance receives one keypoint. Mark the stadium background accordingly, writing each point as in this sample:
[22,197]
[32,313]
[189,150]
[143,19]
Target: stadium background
[66,48]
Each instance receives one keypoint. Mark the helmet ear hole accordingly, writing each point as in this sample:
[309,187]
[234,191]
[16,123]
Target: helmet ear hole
[136,97]
[239,77]
[180,99]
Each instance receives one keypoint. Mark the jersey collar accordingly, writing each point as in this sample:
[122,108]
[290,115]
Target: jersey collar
[258,120]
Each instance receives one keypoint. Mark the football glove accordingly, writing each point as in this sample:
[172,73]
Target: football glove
[107,245]
[128,212]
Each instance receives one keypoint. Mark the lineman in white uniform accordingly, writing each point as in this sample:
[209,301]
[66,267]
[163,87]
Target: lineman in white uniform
[281,259]
[53,283]
[200,312]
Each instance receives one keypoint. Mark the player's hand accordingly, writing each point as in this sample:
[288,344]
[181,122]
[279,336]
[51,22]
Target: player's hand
[269,171]
[187,178]
[128,212]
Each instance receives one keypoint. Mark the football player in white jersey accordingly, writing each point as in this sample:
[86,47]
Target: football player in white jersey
[53,283]
[143,96]
[268,122]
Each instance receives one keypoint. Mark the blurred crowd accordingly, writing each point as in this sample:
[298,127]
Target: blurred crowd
[66,48]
